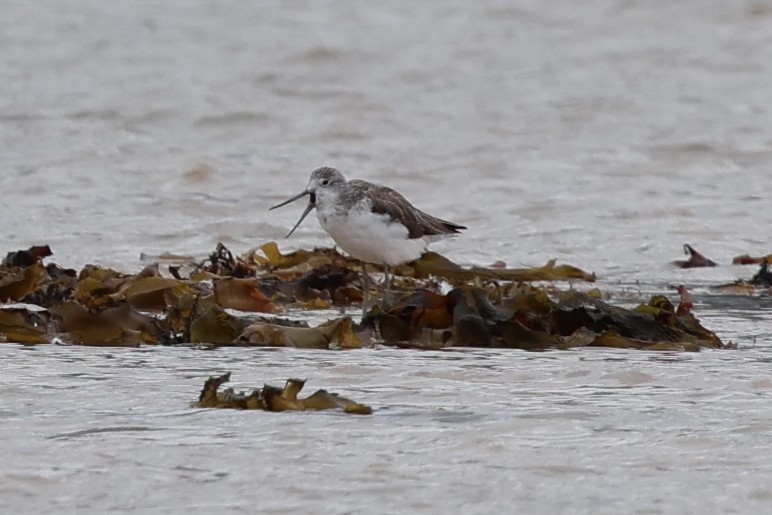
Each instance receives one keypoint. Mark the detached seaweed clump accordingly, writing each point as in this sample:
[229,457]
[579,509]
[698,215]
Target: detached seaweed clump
[271,398]
[228,300]
[760,282]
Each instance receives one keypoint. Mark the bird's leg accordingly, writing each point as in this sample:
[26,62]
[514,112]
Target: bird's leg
[365,289]
[388,298]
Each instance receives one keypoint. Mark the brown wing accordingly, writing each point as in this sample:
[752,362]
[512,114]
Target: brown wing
[388,202]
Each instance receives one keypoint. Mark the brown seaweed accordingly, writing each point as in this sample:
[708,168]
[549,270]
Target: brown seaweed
[271,398]
[215,326]
[25,258]
[24,325]
[747,259]
[18,282]
[120,325]
[433,264]
[241,294]
[531,321]
[762,279]
[696,260]
[488,307]
[275,335]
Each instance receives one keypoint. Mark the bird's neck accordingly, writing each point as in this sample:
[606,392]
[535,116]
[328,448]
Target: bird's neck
[326,200]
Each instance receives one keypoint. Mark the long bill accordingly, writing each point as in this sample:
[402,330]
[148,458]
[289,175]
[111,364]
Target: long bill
[293,199]
[311,205]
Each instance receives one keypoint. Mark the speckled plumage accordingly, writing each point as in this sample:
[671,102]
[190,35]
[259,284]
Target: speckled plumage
[371,222]
[382,200]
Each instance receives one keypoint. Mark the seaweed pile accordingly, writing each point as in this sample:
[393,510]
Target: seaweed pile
[228,300]
[762,280]
[272,398]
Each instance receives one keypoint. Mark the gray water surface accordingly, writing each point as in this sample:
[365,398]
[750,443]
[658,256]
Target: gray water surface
[606,135]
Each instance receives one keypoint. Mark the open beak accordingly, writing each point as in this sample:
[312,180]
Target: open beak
[309,207]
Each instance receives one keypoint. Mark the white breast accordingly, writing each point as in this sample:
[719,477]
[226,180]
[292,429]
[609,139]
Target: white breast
[371,237]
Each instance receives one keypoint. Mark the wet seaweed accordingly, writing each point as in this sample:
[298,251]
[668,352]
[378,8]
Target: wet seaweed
[229,300]
[760,282]
[696,259]
[272,398]
[747,259]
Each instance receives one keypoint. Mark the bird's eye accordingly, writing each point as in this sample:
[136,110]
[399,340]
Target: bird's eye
[325,182]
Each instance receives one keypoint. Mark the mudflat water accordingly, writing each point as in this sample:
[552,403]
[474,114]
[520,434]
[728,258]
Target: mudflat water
[606,135]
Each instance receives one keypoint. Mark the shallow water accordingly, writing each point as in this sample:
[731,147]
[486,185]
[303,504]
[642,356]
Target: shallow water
[605,137]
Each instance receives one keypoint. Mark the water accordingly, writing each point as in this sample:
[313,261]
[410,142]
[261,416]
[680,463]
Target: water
[605,136]
[587,431]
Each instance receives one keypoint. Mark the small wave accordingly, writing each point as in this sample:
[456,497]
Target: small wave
[232,118]
[97,430]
